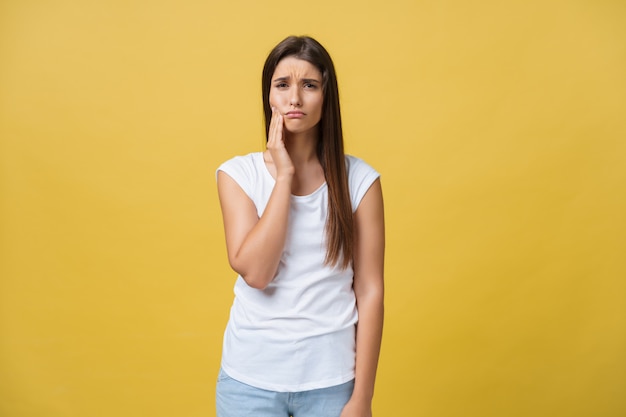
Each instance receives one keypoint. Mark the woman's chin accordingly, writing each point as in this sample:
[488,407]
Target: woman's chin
[295,129]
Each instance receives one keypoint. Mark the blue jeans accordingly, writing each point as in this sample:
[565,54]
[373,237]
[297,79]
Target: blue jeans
[236,399]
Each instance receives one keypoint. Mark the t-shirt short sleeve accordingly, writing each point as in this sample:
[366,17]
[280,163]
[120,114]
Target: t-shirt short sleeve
[242,170]
[361,176]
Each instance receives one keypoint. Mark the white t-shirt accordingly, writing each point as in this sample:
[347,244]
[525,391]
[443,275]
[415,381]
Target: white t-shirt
[298,333]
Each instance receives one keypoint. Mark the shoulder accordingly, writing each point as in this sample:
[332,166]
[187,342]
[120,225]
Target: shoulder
[242,165]
[357,166]
[245,170]
[361,176]
[241,161]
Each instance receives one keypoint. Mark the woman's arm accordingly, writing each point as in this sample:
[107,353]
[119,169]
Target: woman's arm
[254,244]
[369,291]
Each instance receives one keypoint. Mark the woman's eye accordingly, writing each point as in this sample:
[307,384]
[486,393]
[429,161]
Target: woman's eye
[281,85]
[309,85]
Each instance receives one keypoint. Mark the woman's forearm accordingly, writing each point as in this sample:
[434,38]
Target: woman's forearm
[257,259]
[254,244]
[368,342]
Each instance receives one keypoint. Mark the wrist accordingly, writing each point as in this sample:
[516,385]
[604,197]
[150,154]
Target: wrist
[362,397]
[286,177]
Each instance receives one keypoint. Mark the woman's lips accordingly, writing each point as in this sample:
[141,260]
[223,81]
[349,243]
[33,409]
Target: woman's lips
[294,114]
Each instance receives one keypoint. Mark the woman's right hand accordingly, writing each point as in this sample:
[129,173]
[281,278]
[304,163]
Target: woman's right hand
[276,146]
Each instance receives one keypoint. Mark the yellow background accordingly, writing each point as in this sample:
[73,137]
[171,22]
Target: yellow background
[499,131]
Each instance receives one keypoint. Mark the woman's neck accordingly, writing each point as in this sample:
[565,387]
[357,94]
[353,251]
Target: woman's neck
[302,147]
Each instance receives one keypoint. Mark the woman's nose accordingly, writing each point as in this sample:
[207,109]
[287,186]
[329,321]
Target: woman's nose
[294,98]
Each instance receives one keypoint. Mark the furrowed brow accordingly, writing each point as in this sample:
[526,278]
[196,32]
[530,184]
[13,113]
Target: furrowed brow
[304,80]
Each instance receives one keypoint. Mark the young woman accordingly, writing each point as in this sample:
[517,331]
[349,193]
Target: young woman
[304,230]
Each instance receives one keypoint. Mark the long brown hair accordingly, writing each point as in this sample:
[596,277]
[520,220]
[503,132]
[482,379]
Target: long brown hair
[339,224]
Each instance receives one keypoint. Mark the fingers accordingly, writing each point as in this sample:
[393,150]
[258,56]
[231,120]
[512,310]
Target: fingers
[276,145]
[276,129]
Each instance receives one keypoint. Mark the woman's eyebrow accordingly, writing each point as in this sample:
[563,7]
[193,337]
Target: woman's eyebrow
[304,80]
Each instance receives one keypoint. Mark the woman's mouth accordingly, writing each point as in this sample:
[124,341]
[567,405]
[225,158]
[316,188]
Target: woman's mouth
[294,114]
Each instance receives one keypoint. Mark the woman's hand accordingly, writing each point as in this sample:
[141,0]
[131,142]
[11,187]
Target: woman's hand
[276,146]
[357,409]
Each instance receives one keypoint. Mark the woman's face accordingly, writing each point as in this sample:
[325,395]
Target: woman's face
[296,93]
